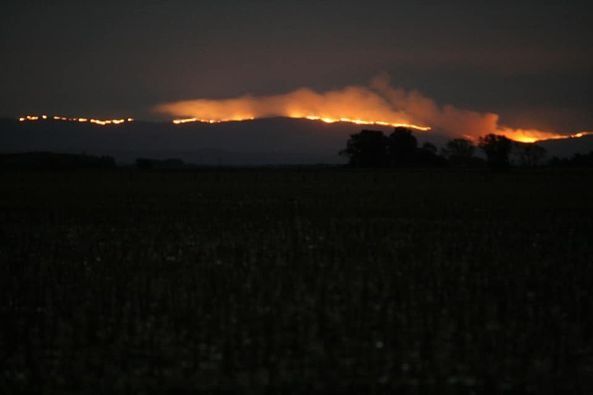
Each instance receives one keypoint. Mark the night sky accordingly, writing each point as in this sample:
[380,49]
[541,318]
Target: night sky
[532,63]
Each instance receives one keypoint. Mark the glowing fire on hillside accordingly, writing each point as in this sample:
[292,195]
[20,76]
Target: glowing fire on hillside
[351,105]
[379,104]
[518,135]
[367,122]
[533,136]
[309,117]
[100,122]
[211,121]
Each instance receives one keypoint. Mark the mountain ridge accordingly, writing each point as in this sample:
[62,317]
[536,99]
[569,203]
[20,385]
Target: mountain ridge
[252,142]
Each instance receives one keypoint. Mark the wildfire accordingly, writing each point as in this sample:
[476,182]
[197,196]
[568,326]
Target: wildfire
[533,136]
[191,120]
[354,104]
[309,117]
[379,103]
[366,122]
[101,122]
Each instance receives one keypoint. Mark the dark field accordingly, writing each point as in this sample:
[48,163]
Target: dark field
[297,281]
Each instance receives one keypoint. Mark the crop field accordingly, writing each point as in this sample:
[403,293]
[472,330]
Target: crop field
[296,281]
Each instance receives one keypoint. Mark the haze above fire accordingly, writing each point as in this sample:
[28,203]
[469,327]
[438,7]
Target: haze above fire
[527,61]
[379,103]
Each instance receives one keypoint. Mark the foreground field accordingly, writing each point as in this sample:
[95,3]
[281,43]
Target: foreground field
[296,281]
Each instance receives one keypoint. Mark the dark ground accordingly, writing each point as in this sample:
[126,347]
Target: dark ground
[297,281]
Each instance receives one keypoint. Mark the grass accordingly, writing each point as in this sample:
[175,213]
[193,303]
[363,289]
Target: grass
[296,281]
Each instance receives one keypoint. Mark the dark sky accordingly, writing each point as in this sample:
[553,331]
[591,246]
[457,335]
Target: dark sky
[532,62]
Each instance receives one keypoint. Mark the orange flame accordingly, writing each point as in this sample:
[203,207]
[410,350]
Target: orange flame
[527,135]
[533,135]
[100,122]
[365,122]
[309,117]
[191,120]
[356,105]
[378,104]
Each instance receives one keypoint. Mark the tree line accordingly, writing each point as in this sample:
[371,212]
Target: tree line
[372,148]
[55,161]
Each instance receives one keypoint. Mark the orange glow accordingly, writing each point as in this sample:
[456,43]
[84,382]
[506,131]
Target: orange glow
[379,103]
[358,105]
[101,122]
[191,120]
[526,135]
[309,117]
[572,136]
[181,121]
[533,136]
[365,122]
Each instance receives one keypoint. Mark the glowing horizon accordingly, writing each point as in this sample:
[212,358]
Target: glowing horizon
[310,118]
[517,135]
[377,104]
[100,122]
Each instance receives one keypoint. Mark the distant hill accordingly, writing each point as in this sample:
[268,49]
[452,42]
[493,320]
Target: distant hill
[569,147]
[256,142]
[264,141]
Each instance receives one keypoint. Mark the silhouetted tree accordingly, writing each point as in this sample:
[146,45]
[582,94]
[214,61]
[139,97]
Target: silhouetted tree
[530,154]
[427,156]
[459,148]
[371,148]
[429,147]
[460,152]
[367,149]
[582,160]
[577,160]
[402,146]
[497,149]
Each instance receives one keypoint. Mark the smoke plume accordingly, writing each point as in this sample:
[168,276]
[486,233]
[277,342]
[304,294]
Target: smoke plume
[378,103]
